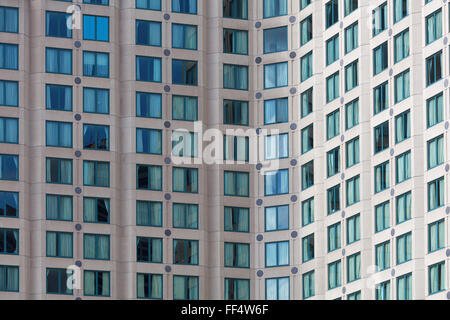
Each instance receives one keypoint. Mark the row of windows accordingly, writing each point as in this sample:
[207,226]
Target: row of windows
[150,286]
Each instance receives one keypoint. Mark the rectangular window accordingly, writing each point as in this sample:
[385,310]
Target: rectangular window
[307,212]
[236,184]
[148,141]
[58,61]
[436,194]
[382,213]
[351,38]
[9,167]
[380,98]
[436,236]
[277,218]
[403,204]
[403,126]
[353,191]
[275,40]
[380,58]
[9,204]
[56,24]
[59,207]
[350,6]
[235,9]
[276,146]
[9,278]
[334,237]
[236,255]
[149,105]
[148,69]
[433,26]
[275,75]
[59,244]
[58,97]
[380,19]
[236,219]
[331,13]
[148,33]
[334,274]
[237,148]
[275,8]
[334,199]
[96,64]
[307,138]
[352,152]
[96,210]
[149,213]
[9,21]
[95,28]
[235,77]
[404,286]
[149,286]
[149,250]
[333,87]
[404,248]
[403,167]
[308,248]
[184,6]
[9,130]
[381,135]
[306,30]
[401,9]
[148,177]
[96,174]
[277,289]
[59,134]
[9,93]
[185,215]
[184,180]
[354,296]
[382,181]
[184,72]
[235,41]
[383,291]
[351,76]
[435,110]
[96,137]
[333,124]
[9,241]
[401,46]
[307,175]
[57,281]
[184,36]
[59,171]
[237,289]
[185,252]
[401,84]
[96,283]
[277,254]
[9,56]
[185,288]
[96,246]
[436,278]
[332,46]
[352,114]
[307,102]
[434,68]
[276,111]
[354,267]
[149,4]
[235,112]
[96,100]
[333,162]
[383,256]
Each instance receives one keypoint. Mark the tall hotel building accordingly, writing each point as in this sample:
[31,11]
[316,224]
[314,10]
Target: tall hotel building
[93,97]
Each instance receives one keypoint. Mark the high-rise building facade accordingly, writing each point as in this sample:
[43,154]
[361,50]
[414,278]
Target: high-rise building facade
[329,176]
